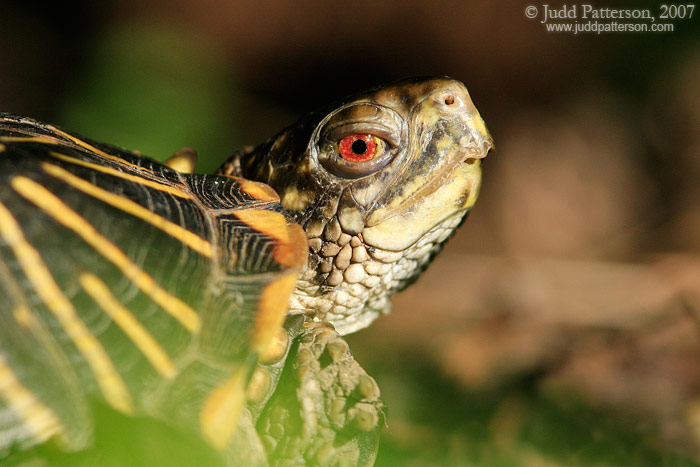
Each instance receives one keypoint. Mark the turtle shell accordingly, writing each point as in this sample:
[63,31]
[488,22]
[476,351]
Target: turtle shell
[121,279]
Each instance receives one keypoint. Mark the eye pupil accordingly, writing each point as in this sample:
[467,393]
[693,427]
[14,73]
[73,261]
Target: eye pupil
[359,146]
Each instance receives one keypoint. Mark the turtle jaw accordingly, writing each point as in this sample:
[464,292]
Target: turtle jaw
[440,176]
[400,228]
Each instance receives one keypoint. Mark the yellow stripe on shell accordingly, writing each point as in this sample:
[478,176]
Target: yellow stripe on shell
[270,223]
[45,139]
[128,323]
[48,290]
[63,214]
[31,139]
[218,419]
[23,316]
[291,248]
[37,417]
[272,308]
[258,190]
[92,148]
[126,176]
[178,232]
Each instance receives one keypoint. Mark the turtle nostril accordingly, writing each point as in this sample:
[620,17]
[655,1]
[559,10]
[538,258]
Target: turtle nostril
[449,100]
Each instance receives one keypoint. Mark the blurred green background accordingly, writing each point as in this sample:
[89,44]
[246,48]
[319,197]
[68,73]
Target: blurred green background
[561,326]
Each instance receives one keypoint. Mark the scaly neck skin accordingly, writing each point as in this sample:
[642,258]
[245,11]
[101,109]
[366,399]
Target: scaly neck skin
[349,283]
[374,223]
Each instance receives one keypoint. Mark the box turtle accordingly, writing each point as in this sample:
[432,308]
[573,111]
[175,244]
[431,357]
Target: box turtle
[214,305]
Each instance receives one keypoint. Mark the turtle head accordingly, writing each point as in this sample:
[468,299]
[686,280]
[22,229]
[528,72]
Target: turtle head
[379,182]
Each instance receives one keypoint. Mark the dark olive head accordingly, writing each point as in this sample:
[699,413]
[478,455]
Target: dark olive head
[378,182]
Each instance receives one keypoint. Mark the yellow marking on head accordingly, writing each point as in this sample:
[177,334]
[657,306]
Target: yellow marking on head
[352,220]
[126,176]
[272,308]
[365,194]
[296,200]
[37,417]
[183,160]
[64,215]
[128,323]
[398,231]
[2,147]
[179,233]
[446,142]
[291,248]
[474,184]
[218,419]
[92,148]
[48,290]
[479,124]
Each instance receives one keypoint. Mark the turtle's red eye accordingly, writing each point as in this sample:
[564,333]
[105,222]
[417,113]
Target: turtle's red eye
[358,148]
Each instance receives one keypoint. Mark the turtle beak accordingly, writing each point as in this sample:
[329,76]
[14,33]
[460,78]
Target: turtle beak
[440,174]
